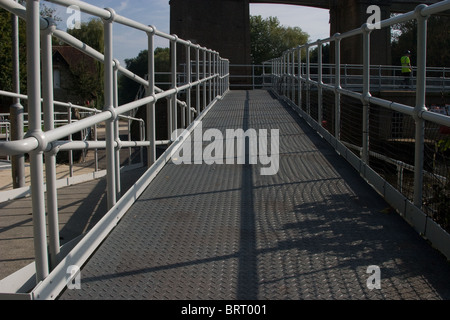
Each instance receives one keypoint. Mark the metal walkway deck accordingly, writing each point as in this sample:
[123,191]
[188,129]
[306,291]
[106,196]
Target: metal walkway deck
[226,232]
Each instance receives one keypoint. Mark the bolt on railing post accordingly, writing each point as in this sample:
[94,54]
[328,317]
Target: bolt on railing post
[50,157]
[109,124]
[420,105]
[366,94]
[151,131]
[34,129]
[337,95]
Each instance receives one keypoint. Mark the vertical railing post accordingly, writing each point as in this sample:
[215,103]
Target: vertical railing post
[116,128]
[214,68]
[228,74]
[109,101]
[96,150]
[278,75]
[420,105]
[16,109]
[337,85]
[285,72]
[209,74]
[197,62]
[174,97]
[50,157]
[275,74]
[366,93]
[319,82]
[288,66]
[220,71]
[204,77]
[151,130]
[308,80]
[299,75]
[189,80]
[34,129]
[219,79]
[294,89]
[70,152]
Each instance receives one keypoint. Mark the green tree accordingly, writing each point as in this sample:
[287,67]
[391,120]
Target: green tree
[269,39]
[139,65]
[6,70]
[91,33]
[90,85]
[6,52]
[438,41]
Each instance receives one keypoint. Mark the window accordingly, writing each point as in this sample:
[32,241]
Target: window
[56,79]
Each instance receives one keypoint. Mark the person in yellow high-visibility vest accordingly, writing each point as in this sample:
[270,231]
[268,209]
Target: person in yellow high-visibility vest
[406,68]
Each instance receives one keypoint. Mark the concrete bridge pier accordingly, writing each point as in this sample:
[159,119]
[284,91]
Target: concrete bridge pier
[222,25]
[351,14]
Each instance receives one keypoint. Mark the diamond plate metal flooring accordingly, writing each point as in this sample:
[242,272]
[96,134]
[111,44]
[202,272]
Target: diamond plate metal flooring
[224,231]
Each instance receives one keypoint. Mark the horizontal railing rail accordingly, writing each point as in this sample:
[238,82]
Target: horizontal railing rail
[383,77]
[210,84]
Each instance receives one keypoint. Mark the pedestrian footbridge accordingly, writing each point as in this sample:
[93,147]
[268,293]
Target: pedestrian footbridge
[301,190]
[224,231]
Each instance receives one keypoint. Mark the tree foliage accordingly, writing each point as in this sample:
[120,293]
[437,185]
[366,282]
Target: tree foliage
[438,41]
[91,33]
[139,65]
[6,66]
[87,85]
[269,39]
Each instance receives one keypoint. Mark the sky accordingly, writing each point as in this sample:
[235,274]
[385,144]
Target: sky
[129,42]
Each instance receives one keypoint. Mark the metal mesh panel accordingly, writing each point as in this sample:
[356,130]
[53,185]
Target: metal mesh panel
[437,173]
[351,121]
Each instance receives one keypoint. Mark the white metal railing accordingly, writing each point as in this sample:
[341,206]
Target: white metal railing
[210,83]
[383,77]
[298,87]
[64,118]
